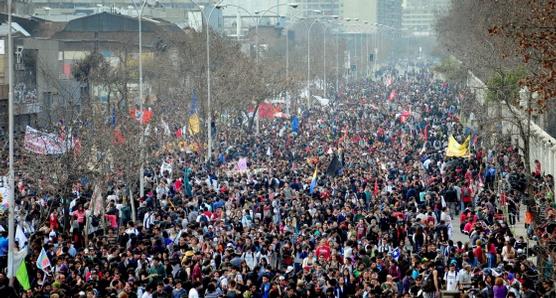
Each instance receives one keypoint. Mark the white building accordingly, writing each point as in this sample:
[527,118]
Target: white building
[419,16]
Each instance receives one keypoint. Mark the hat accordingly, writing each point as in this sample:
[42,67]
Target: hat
[289,269]
[453,263]
[424,260]
[81,293]
[281,278]
[510,276]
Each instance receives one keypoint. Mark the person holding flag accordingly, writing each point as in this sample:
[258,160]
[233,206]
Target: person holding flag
[313,181]
[194,122]
[43,262]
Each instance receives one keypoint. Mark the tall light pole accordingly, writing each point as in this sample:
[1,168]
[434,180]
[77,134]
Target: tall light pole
[11,184]
[139,9]
[367,46]
[324,58]
[239,7]
[261,13]
[309,62]
[209,114]
[337,60]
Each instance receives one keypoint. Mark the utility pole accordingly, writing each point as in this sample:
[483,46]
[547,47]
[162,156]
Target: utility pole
[11,184]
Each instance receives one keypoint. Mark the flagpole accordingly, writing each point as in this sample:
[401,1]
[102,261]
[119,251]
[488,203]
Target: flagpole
[11,191]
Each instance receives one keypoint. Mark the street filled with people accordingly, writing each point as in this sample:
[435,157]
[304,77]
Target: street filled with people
[356,198]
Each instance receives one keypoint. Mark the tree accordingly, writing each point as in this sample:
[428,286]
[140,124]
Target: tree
[533,32]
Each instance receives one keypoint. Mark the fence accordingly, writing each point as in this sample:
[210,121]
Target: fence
[542,146]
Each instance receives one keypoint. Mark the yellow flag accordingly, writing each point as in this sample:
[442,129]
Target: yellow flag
[194,124]
[456,149]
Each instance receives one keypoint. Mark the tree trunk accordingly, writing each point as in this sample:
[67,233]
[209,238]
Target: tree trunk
[252,119]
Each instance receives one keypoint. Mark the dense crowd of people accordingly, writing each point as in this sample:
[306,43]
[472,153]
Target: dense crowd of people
[357,199]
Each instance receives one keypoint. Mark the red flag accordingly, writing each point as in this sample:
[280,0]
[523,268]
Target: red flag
[144,116]
[426,133]
[375,190]
[179,133]
[118,137]
[392,95]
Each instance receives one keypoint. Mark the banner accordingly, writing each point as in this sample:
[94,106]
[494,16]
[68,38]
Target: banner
[46,143]
[456,149]
[242,164]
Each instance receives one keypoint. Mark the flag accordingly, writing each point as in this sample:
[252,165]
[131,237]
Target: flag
[165,167]
[165,127]
[389,82]
[395,253]
[295,124]
[426,133]
[186,183]
[113,118]
[194,122]
[21,269]
[42,261]
[392,95]
[267,110]
[119,138]
[456,149]
[242,164]
[375,190]
[334,166]
[20,237]
[144,116]
[313,182]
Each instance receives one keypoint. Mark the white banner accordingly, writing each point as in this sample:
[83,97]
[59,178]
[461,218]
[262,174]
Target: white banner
[45,143]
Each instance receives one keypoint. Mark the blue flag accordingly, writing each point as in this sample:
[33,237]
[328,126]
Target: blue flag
[313,182]
[295,124]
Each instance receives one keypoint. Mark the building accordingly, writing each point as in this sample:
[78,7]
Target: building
[312,8]
[389,13]
[115,37]
[419,16]
[35,67]
[361,9]
[183,13]
[45,52]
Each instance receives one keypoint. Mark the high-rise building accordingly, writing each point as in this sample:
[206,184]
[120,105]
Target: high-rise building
[320,7]
[361,9]
[419,16]
[389,13]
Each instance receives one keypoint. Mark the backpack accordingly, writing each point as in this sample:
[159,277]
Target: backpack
[428,285]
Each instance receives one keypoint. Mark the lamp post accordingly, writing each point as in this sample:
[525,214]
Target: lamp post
[261,13]
[249,13]
[309,62]
[209,114]
[324,58]
[11,184]
[337,60]
[139,9]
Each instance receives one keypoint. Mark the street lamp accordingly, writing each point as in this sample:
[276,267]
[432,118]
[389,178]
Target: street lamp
[249,13]
[209,115]
[11,176]
[139,9]
[324,57]
[261,13]
[309,62]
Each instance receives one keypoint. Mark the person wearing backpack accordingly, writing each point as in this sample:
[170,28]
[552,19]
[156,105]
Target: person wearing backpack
[431,286]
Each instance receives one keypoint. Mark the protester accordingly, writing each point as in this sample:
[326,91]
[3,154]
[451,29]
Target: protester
[358,199]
